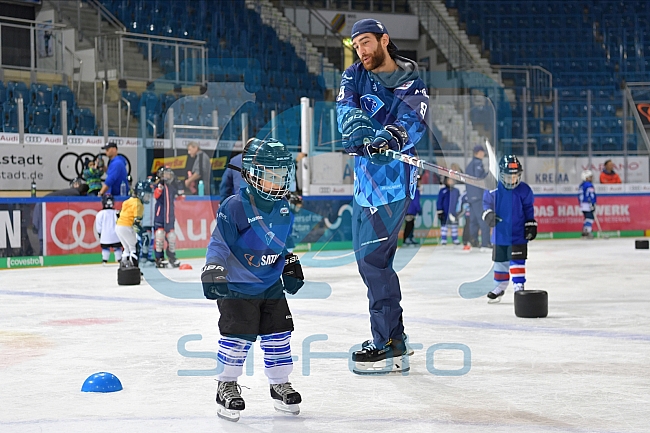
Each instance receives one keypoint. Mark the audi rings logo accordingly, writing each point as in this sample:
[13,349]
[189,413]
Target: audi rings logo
[33,139]
[71,165]
[77,229]
[75,140]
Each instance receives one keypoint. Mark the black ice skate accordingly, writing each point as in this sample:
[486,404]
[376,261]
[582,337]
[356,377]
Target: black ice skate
[409,349]
[229,401]
[285,398]
[160,263]
[494,298]
[391,358]
[173,261]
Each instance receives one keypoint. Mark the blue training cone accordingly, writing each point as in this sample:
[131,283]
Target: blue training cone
[102,382]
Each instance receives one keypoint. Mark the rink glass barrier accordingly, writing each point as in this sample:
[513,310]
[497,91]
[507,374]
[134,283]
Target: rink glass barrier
[60,231]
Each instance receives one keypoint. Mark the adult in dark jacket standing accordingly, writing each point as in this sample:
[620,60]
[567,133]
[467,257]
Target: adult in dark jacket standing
[475,199]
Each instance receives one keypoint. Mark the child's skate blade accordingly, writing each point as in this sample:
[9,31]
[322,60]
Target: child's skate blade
[227,414]
[291,409]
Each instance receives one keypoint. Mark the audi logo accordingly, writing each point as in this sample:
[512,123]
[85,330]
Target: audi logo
[71,165]
[78,229]
[32,139]
[75,140]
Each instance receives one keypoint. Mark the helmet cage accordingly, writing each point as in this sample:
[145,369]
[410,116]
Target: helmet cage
[271,182]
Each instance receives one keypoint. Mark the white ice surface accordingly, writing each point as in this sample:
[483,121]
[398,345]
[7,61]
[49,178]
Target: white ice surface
[585,368]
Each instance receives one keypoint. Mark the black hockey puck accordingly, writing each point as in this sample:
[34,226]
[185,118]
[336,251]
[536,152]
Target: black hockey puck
[642,244]
[531,303]
[128,276]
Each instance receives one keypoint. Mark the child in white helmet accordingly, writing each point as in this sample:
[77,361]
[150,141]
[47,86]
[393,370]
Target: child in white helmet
[587,199]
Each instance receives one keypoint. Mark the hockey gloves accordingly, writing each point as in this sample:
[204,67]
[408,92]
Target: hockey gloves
[213,277]
[392,137]
[490,218]
[357,131]
[530,230]
[441,217]
[292,276]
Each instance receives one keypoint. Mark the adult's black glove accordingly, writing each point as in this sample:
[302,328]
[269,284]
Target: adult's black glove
[530,230]
[441,217]
[490,218]
[292,276]
[213,277]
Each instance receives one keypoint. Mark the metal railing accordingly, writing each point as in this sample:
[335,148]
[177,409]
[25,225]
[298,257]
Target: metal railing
[45,43]
[539,81]
[444,37]
[113,53]
[287,31]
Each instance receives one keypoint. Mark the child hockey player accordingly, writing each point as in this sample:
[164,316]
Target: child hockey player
[247,269]
[447,205]
[464,204]
[145,238]
[414,209]
[130,215]
[105,227]
[93,177]
[509,209]
[587,199]
[165,194]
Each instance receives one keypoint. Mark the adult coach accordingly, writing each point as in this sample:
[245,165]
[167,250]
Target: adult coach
[201,170]
[231,181]
[115,172]
[475,199]
[381,104]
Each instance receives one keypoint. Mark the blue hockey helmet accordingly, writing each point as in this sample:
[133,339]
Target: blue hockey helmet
[166,174]
[108,201]
[510,170]
[143,190]
[268,167]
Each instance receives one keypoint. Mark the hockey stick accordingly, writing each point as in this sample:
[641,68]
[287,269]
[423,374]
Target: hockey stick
[600,229]
[485,183]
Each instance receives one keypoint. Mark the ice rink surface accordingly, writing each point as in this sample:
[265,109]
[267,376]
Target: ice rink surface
[584,368]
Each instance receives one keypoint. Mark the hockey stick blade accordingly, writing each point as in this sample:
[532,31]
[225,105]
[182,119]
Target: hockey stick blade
[444,171]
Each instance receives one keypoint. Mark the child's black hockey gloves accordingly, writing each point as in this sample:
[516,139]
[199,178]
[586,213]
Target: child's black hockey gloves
[213,277]
[292,276]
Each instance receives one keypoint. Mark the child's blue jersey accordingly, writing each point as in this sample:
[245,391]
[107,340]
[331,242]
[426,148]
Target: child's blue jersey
[586,196]
[448,200]
[250,243]
[406,104]
[515,207]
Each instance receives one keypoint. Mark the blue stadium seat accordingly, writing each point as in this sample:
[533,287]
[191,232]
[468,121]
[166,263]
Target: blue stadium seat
[17,90]
[10,118]
[63,93]
[3,93]
[41,94]
[84,122]
[134,100]
[39,119]
[150,101]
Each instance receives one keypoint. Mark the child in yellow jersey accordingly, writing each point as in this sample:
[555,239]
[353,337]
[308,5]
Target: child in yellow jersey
[130,215]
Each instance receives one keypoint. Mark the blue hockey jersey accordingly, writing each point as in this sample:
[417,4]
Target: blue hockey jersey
[165,194]
[448,201]
[514,207]
[586,196]
[406,104]
[250,242]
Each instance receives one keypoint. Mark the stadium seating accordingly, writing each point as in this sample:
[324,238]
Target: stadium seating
[250,52]
[587,45]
